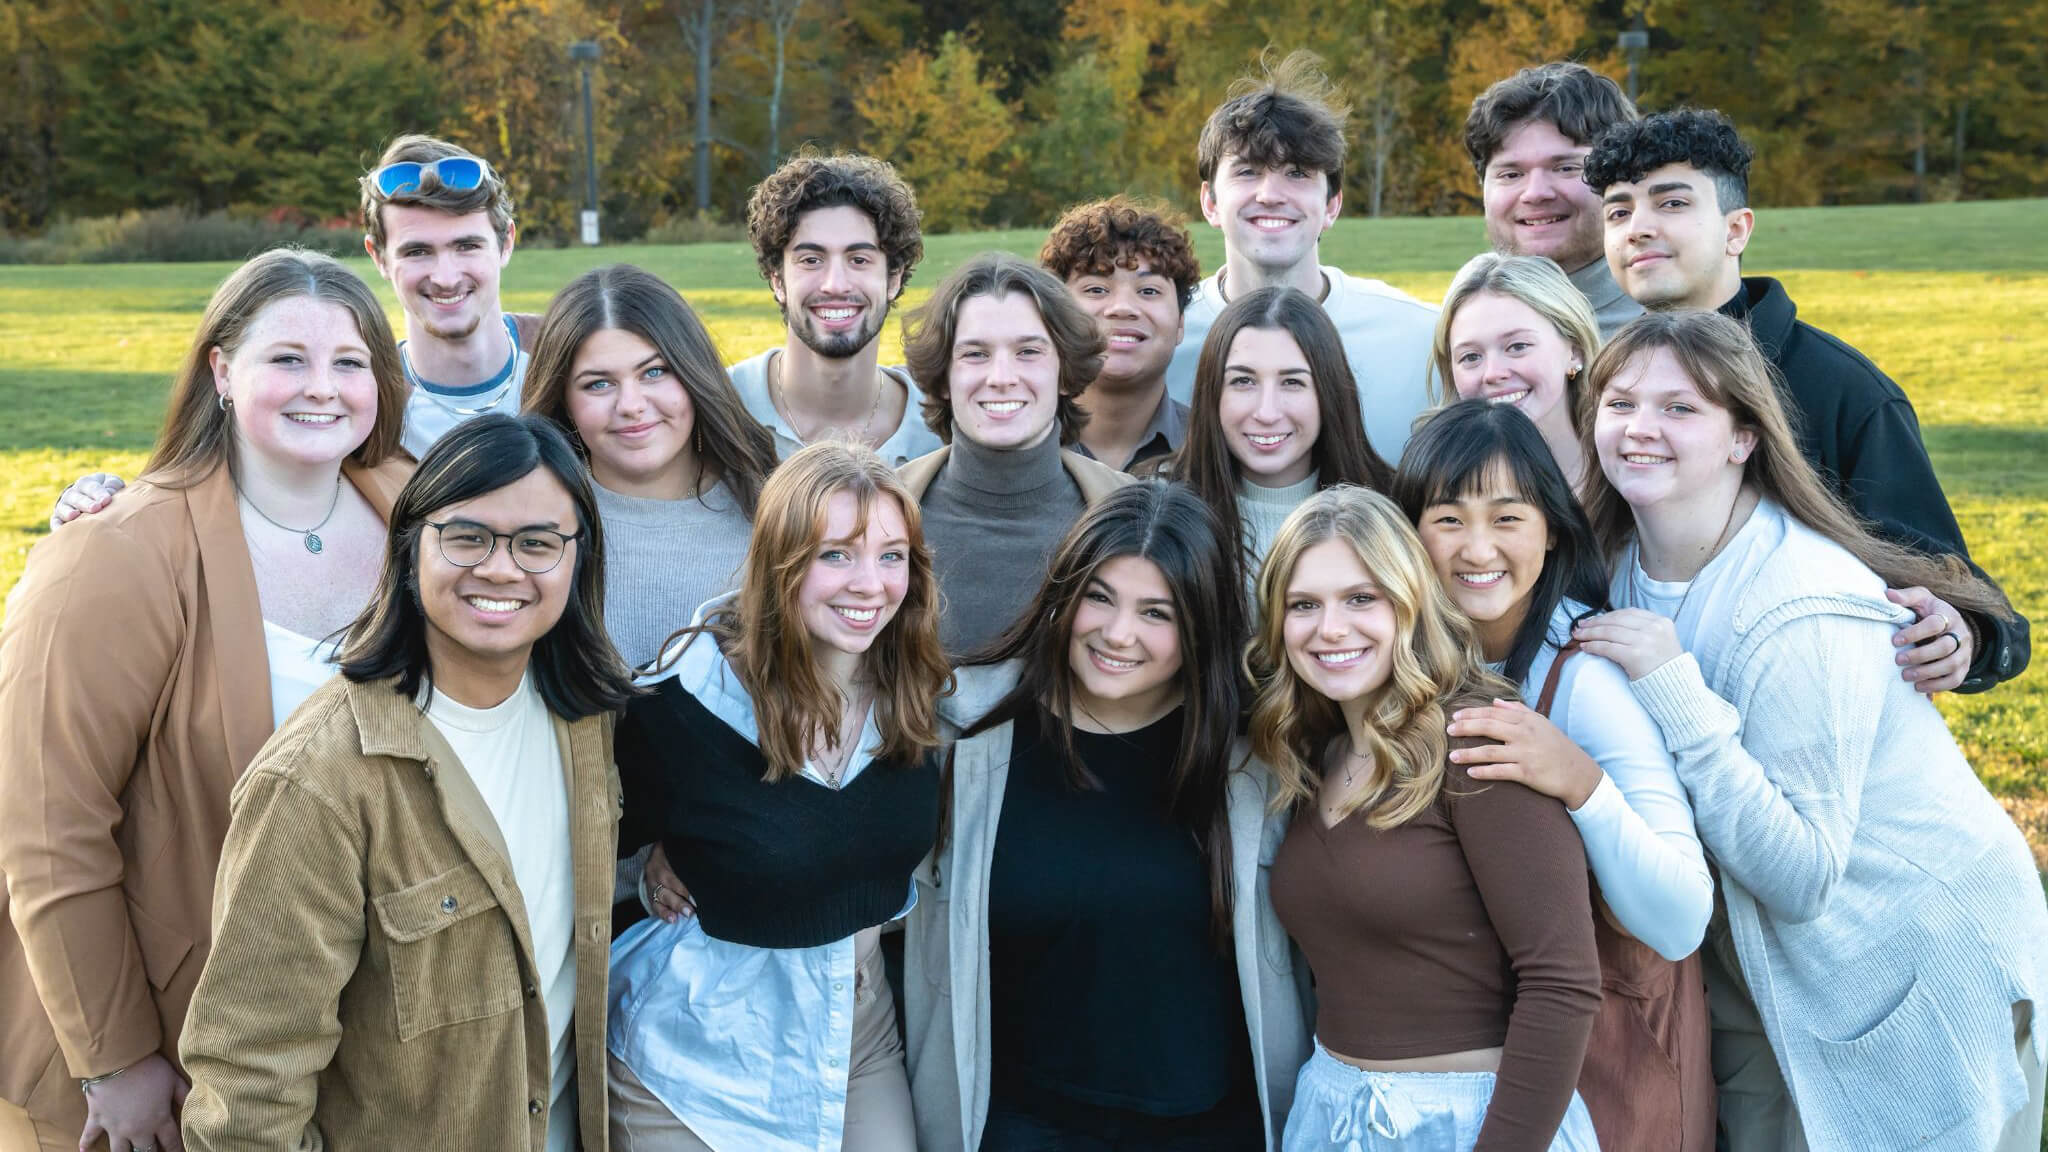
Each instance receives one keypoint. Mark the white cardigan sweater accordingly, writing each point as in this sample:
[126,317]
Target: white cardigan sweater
[945,951]
[1886,911]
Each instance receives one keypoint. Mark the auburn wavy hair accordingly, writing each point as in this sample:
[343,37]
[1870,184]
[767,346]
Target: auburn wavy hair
[1437,667]
[761,630]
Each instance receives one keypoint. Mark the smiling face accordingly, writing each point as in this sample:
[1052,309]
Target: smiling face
[632,414]
[1268,410]
[1139,313]
[1272,217]
[1535,200]
[1488,546]
[1661,442]
[1125,652]
[1669,244]
[858,575]
[1506,352]
[299,385]
[1339,630]
[835,285]
[484,621]
[445,269]
[1004,377]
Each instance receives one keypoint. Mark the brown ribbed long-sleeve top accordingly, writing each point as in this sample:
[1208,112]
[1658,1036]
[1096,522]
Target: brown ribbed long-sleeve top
[1469,926]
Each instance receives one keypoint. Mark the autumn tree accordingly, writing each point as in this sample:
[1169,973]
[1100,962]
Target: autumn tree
[938,118]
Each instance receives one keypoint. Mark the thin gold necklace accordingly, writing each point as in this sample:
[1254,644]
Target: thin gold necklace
[782,405]
[1636,560]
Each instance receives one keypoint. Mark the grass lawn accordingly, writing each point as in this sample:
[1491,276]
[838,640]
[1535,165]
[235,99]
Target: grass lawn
[1951,300]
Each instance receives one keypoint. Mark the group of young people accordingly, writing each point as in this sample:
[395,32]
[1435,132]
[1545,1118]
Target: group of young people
[1261,711]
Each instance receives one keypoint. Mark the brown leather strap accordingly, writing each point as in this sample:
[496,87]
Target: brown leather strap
[1550,679]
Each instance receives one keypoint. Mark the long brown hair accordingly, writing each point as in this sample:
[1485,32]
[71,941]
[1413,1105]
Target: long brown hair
[1341,453]
[1197,557]
[1721,359]
[197,435]
[1437,666]
[629,299]
[763,636]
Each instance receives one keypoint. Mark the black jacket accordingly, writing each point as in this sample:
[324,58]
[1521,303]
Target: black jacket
[1857,427]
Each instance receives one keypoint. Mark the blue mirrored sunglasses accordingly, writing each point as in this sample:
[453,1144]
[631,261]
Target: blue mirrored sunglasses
[460,173]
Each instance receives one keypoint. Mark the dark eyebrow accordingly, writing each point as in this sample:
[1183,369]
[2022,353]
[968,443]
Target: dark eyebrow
[856,246]
[654,359]
[1670,186]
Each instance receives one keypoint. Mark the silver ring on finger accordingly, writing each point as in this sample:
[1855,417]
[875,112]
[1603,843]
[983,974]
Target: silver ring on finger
[659,891]
[1958,641]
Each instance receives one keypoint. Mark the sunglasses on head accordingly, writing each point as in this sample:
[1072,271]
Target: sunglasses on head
[460,173]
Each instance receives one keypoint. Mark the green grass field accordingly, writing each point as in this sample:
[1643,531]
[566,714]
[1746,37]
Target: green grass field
[1951,300]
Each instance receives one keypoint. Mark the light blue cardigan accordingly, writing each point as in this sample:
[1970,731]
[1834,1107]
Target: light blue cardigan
[946,965]
[1886,912]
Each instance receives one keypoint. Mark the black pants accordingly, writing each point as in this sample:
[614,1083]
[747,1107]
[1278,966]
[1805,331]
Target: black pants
[1031,1120]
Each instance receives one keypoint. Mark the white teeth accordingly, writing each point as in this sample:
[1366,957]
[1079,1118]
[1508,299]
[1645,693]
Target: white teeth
[455,299]
[318,420]
[835,313]
[1642,458]
[1266,441]
[1510,397]
[1113,662]
[1271,223]
[859,615]
[490,605]
[1481,579]
[1001,407]
[1340,657]
[1123,340]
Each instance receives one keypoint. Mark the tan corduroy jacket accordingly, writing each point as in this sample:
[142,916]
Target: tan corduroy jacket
[134,688]
[372,983]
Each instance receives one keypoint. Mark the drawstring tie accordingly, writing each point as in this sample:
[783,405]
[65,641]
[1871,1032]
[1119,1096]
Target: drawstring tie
[1380,1110]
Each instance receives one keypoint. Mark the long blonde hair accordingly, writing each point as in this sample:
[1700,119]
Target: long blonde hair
[1722,360]
[1436,664]
[197,435]
[763,634]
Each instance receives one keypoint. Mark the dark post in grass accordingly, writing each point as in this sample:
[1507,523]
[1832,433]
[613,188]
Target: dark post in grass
[585,53]
[1633,40]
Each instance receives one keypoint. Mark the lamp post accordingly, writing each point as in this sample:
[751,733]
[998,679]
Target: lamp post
[1633,40]
[586,53]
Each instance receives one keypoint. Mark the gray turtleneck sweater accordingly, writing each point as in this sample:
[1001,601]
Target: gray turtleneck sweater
[1262,511]
[662,559]
[992,520]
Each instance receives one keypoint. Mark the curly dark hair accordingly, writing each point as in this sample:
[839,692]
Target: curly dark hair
[1700,137]
[1096,238]
[809,181]
[1290,115]
[1579,101]
[928,335]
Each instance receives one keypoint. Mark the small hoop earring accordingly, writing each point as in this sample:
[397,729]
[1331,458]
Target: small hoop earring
[220,400]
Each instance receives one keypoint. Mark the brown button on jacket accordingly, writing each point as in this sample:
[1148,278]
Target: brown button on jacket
[134,688]
[372,982]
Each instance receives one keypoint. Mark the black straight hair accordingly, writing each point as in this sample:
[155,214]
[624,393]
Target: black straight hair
[1456,453]
[1168,525]
[574,666]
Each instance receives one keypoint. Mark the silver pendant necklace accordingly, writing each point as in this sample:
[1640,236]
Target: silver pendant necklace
[310,536]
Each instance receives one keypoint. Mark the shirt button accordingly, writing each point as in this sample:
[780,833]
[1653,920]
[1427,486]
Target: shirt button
[833,1061]
[838,987]
[448,904]
[531,992]
[533,1106]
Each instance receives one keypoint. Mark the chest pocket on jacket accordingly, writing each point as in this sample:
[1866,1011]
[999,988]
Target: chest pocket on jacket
[453,955]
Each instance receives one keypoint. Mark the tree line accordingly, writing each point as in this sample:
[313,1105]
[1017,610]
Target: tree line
[998,113]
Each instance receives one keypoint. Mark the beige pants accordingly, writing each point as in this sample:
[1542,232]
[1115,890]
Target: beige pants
[1754,1108]
[877,1090]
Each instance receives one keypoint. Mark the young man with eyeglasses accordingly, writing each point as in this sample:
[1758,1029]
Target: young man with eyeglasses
[438,225]
[1271,159]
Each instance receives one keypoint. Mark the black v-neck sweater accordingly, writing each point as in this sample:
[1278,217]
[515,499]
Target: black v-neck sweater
[792,864]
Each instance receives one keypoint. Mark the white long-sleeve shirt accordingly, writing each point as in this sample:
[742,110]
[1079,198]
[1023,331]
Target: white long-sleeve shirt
[1637,825]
